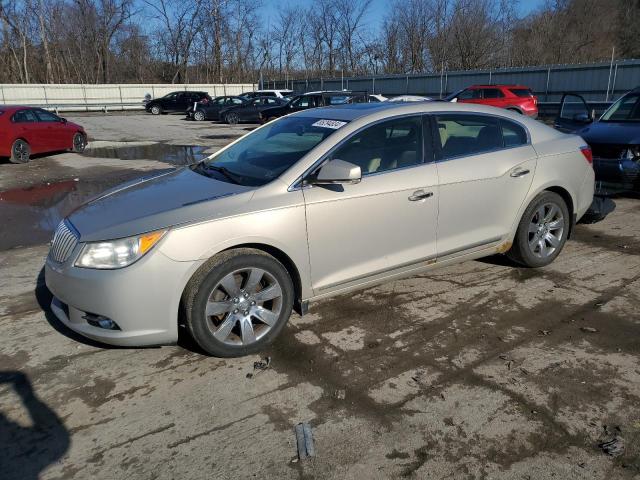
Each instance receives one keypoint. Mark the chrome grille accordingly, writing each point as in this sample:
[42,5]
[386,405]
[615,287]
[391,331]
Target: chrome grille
[64,241]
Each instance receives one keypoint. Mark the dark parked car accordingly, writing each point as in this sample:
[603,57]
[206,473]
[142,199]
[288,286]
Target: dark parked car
[250,110]
[313,100]
[614,138]
[211,110]
[26,130]
[175,102]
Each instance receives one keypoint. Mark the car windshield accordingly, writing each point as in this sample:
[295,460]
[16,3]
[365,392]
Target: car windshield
[627,109]
[265,154]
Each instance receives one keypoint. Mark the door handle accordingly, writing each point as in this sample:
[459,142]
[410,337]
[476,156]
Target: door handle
[420,195]
[520,173]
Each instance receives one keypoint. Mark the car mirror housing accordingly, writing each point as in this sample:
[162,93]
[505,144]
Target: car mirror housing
[338,171]
[582,117]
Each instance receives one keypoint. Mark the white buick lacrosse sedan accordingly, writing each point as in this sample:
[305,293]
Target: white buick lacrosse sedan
[314,204]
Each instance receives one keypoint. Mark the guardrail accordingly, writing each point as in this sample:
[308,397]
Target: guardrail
[81,97]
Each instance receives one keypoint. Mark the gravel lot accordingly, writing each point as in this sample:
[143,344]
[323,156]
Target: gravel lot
[481,370]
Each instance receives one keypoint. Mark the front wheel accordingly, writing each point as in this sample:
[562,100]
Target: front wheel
[20,151]
[542,231]
[79,142]
[238,302]
[156,110]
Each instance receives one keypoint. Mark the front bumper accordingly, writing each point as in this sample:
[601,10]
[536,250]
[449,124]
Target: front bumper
[142,299]
[617,174]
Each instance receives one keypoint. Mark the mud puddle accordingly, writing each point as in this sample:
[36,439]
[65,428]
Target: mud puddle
[31,214]
[162,152]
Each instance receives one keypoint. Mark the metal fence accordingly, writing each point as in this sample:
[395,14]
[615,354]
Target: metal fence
[76,97]
[601,82]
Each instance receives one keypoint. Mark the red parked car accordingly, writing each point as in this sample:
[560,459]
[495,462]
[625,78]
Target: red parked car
[512,97]
[27,130]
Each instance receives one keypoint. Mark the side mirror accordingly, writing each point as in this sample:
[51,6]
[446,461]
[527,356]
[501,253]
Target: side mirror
[338,171]
[582,117]
[63,120]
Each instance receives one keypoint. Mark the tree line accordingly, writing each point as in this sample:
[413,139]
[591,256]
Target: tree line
[211,41]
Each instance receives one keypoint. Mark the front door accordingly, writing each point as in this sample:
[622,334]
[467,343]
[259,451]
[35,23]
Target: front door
[386,223]
[485,166]
[574,113]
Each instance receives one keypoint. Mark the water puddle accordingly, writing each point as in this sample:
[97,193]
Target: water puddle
[162,152]
[30,215]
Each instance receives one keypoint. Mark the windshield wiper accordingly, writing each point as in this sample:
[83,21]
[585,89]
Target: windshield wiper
[223,170]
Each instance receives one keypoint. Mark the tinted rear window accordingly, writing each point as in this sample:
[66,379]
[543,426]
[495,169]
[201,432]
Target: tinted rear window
[521,92]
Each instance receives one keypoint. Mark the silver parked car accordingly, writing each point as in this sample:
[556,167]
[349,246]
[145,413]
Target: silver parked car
[315,204]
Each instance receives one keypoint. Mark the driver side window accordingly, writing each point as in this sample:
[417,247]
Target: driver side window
[385,146]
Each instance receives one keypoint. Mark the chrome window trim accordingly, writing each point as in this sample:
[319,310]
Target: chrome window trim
[296,185]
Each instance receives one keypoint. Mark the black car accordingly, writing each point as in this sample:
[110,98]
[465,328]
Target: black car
[614,138]
[175,102]
[313,100]
[250,110]
[211,110]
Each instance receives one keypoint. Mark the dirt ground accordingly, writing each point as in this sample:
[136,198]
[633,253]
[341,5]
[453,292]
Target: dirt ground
[480,370]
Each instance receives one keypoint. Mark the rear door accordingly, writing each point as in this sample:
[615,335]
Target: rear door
[494,97]
[485,165]
[384,224]
[574,113]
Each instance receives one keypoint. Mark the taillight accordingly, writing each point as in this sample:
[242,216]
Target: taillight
[588,154]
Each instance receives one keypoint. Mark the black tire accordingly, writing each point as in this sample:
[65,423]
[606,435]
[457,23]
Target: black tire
[231,118]
[20,151]
[155,110]
[198,116]
[521,252]
[203,284]
[79,142]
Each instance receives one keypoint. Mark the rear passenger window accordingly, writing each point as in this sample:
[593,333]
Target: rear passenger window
[492,93]
[385,146]
[24,116]
[462,135]
[513,134]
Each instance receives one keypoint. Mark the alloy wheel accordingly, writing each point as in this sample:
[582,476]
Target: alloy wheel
[21,151]
[155,110]
[232,118]
[546,230]
[79,143]
[244,306]
[198,116]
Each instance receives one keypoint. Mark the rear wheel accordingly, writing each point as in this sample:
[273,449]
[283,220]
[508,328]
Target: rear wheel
[79,142]
[20,151]
[156,110]
[542,231]
[198,115]
[238,302]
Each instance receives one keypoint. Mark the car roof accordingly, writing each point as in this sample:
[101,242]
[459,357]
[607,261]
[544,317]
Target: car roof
[498,85]
[353,111]
[13,108]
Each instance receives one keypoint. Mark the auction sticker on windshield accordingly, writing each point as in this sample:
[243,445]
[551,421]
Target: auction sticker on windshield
[334,124]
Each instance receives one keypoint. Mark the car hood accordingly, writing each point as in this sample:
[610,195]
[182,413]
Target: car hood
[171,198]
[612,133]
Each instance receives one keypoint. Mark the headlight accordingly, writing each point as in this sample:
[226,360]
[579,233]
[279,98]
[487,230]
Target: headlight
[118,253]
